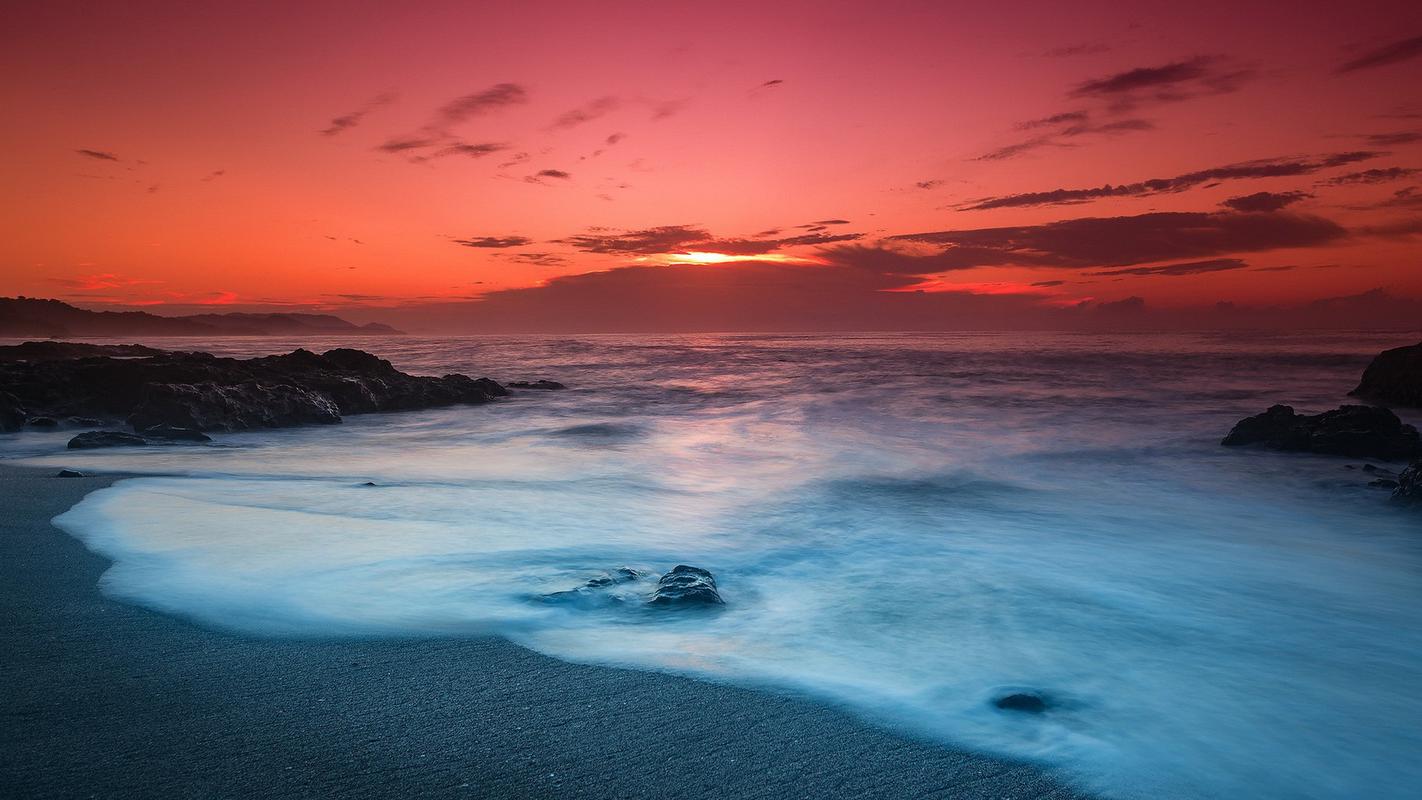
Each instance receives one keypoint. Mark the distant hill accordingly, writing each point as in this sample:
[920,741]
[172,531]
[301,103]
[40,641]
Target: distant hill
[28,316]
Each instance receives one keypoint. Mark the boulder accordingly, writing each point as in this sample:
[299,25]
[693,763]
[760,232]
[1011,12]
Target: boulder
[209,406]
[1356,431]
[686,586]
[42,422]
[70,473]
[95,439]
[170,433]
[543,385]
[1409,486]
[1394,377]
[1026,702]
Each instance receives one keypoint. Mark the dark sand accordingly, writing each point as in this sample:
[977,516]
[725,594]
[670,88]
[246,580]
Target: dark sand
[103,699]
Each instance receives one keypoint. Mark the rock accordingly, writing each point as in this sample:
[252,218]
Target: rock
[42,422]
[83,422]
[370,483]
[1357,431]
[60,351]
[544,385]
[202,392]
[1028,702]
[1394,377]
[595,587]
[686,586]
[96,439]
[169,433]
[12,414]
[70,473]
[1383,483]
[1409,485]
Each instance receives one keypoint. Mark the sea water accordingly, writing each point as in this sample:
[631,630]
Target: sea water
[907,526]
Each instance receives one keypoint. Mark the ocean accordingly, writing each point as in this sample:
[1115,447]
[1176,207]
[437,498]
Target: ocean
[907,526]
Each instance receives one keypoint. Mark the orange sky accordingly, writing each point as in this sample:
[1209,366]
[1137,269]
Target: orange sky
[371,159]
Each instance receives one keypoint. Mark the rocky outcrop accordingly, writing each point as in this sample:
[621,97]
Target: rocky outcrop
[1356,431]
[1409,486]
[546,386]
[1394,377]
[201,392]
[12,414]
[171,433]
[686,586]
[62,351]
[96,439]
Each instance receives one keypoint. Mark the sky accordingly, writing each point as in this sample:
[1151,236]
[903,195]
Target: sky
[570,166]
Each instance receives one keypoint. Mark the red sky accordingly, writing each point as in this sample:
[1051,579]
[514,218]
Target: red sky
[551,165]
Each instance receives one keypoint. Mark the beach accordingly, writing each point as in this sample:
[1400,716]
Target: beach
[106,699]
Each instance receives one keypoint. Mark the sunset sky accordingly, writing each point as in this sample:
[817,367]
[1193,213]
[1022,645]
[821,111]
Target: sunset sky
[608,166]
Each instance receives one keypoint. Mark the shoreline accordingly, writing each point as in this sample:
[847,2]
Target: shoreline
[109,699]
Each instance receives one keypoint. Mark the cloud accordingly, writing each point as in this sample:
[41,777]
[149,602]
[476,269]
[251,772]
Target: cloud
[586,113]
[1070,126]
[691,239]
[1265,201]
[557,174]
[1049,284]
[212,176]
[614,139]
[400,144]
[1410,197]
[1393,139]
[352,119]
[831,222]
[494,241]
[100,281]
[494,98]
[1370,176]
[1264,168]
[769,84]
[1186,268]
[101,155]
[1083,49]
[539,259]
[1386,55]
[1168,83]
[1130,240]
[471,150]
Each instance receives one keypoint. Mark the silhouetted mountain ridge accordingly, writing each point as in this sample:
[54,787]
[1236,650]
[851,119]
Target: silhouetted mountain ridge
[29,316]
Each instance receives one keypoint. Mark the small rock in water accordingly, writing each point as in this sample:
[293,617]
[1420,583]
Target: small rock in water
[370,483]
[686,586]
[93,439]
[42,422]
[594,586]
[544,385]
[70,473]
[1409,485]
[1027,702]
[173,433]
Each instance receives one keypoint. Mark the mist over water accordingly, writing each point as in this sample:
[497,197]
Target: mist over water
[904,525]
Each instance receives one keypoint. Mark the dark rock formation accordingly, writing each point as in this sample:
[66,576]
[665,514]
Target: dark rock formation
[1394,377]
[42,422]
[12,414]
[1409,485]
[96,439]
[595,587]
[62,351]
[1028,702]
[686,586]
[70,473]
[544,385]
[202,392]
[1357,431]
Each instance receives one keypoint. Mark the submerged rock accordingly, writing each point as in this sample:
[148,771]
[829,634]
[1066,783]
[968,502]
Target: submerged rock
[1394,377]
[70,473]
[544,385]
[686,586]
[1028,702]
[170,433]
[1409,485]
[596,587]
[1357,431]
[96,439]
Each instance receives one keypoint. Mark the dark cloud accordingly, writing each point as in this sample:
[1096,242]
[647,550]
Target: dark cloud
[1069,127]
[1384,56]
[1049,284]
[614,139]
[1367,176]
[1185,268]
[400,144]
[1182,80]
[352,119]
[101,155]
[1411,197]
[929,184]
[214,175]
[557,174]
[831,222]
[472,105]
[1130,240]
[1265,201]
[1393,139]
[1265,168]
[539,259]
[688,239]
[472,150]
[769,84]
[496,242]
[586,113]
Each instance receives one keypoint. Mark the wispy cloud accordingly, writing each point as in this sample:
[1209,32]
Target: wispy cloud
[1387,55]
[101,155]
[353,118]
[494,241]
